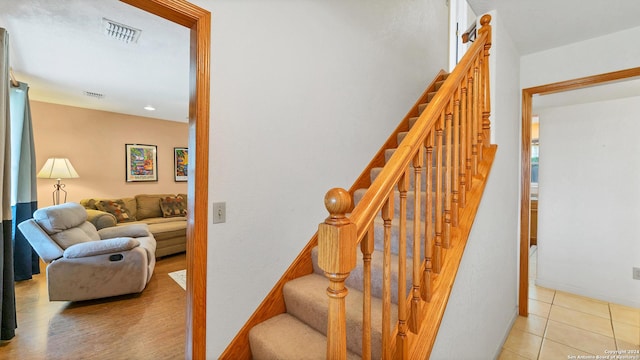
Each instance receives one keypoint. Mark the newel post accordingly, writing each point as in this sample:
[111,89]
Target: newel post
[337,257]
[486,107]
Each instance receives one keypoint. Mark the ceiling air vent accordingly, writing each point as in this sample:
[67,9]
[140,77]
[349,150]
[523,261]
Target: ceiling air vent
[121,32]
[94,94]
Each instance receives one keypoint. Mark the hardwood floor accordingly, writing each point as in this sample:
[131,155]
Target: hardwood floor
[149,325]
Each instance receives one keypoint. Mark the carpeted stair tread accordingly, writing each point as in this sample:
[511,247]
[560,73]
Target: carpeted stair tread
[355,279]
[284,337]
[306,299]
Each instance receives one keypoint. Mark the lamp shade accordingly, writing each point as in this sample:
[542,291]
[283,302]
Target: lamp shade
[58,168]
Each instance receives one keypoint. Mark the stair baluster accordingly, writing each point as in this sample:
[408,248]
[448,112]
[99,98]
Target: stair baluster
[415,318]
[469,124]
[486,124]
[367,247]
[425,292]
[387,216]
[456,157]
[463,145]
[479,108]
[437,253]
[447,147]
[474,122]
[402,345]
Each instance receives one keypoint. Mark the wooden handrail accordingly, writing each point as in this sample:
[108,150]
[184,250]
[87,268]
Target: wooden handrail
[454,131]
[363,215]
[469,34]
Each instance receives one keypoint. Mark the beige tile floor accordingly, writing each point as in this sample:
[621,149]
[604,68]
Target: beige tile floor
[567,326]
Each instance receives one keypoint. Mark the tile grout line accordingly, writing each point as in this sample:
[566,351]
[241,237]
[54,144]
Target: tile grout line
[546,326]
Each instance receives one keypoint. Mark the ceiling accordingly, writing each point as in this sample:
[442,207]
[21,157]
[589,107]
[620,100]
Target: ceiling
[536,25]
[60,50]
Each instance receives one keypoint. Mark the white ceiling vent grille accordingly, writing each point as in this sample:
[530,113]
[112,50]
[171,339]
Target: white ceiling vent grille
[94,94]
[121,32]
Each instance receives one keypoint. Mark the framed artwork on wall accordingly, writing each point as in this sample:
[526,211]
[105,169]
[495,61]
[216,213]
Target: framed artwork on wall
[141,162]
[181,163]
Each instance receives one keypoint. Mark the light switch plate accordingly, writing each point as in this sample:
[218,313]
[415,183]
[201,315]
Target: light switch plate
[636,273]
[219,212]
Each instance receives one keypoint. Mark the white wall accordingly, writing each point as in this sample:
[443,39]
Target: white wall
[589,200]
[483,302]
[98,151]
[303,95]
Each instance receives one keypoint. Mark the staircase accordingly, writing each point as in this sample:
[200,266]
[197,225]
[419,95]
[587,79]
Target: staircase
[425,184]
[305,321]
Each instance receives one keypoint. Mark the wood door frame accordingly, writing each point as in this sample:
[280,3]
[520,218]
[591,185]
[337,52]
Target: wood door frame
[198,21]
[525,182]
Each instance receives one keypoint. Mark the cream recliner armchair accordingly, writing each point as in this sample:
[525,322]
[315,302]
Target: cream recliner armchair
[84,263]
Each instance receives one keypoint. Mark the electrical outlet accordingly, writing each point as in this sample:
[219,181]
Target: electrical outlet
[636,273]
[219,212]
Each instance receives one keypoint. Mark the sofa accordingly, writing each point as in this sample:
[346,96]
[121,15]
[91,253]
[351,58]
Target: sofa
[164,214]
[85,263]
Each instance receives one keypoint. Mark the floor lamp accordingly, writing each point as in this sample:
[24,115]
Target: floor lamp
[58,168]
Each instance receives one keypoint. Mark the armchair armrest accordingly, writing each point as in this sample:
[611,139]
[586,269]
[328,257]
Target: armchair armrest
[133,230]
[100,247]
[101,219]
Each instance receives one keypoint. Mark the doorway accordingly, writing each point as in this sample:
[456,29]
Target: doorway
[198,21]
[525,177]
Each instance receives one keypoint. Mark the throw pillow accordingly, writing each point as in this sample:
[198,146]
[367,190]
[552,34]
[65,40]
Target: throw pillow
[117,208]
[173,206]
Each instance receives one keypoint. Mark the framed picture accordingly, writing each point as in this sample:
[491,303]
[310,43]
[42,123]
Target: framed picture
[180,163]
[142,162]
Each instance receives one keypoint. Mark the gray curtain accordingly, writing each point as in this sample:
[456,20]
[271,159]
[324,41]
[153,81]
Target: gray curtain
[7,290]
[24,197]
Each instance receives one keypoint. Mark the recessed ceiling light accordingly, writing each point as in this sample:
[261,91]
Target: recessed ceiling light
[149,108]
